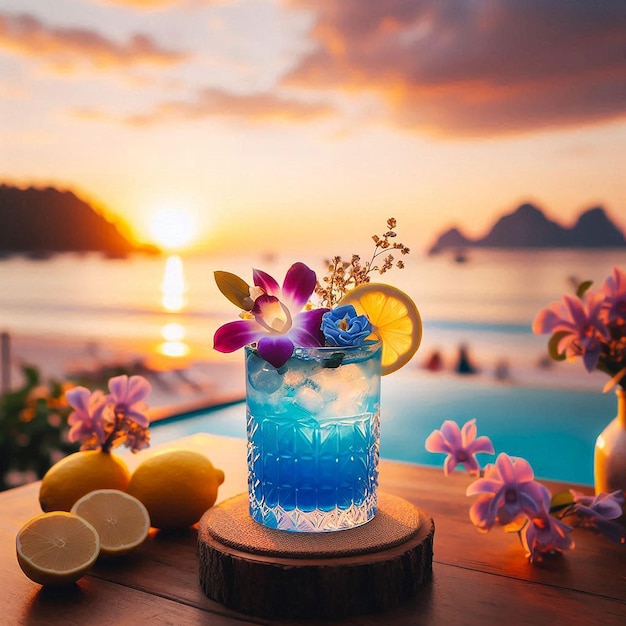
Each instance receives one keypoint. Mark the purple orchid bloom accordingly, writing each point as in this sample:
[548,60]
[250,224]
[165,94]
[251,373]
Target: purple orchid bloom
[461,445]
[544,533]
[86,421]
[507,492]
[604,505]
[278,323]
[128,396]
[614,289]
[596,512]
[582,322]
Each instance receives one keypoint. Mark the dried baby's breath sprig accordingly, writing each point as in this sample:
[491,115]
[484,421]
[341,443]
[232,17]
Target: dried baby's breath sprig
[344,276]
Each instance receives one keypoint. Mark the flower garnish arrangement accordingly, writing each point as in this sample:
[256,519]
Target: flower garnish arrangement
[350,309]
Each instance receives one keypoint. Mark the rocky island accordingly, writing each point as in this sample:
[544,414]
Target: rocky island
[42,222]
[528,227]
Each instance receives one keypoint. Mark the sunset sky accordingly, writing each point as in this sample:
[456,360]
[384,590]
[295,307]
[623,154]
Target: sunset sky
[306,123]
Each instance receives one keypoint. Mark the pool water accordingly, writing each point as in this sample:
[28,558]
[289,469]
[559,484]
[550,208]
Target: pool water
[554,429]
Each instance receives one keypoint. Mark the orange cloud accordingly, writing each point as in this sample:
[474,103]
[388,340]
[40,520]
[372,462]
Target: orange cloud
[212,102]
[472,68]
[70,48]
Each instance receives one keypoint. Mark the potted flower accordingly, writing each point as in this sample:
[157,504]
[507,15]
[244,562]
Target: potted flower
[591,325]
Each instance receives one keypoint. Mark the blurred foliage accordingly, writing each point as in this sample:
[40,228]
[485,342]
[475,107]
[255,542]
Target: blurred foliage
[33,423]
[33,429]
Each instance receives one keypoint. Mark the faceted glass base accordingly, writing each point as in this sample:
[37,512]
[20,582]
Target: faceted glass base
[313,431]
[315,520]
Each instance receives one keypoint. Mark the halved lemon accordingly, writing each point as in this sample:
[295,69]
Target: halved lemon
[57,548]
[395,321]
[122,521]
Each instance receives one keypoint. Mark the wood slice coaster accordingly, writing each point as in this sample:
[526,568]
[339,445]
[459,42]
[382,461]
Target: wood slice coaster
[273,573]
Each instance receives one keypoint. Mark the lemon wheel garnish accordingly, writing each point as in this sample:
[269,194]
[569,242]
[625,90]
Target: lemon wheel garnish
[395,321]
[121,520]
[57,548]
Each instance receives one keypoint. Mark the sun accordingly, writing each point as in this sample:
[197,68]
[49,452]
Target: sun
[172,228]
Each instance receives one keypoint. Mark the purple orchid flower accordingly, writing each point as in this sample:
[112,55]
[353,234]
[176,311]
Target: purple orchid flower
[507,492]
[596,513]
[86,420]
[461,445]
[544,533]
[128,396]
[582,322]
[614,290]
[278,323]
[604,505]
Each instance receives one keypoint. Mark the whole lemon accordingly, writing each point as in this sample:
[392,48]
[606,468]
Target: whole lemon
[176,486]
[78,474]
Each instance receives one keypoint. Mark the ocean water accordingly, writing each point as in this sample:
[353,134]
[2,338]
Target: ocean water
[487,303]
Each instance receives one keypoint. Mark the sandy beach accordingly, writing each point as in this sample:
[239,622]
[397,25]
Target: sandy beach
[178,383]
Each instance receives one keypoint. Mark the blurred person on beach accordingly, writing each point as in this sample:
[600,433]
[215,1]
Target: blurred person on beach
[434,363]
[502,370]
[464,364]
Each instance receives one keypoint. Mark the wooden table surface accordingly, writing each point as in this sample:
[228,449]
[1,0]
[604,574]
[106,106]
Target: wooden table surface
[477,578]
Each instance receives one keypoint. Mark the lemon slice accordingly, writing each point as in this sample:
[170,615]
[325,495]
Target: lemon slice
[122,521]
[395,321]
[57,548]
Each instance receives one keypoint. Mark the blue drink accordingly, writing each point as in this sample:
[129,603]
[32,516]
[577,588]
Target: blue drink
[313,438]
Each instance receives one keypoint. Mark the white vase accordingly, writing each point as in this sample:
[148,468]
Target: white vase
[610,452]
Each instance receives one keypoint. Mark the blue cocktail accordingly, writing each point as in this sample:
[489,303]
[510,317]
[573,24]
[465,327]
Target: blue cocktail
[313,438]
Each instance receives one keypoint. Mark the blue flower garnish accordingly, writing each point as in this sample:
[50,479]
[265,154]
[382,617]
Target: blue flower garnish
[343,327]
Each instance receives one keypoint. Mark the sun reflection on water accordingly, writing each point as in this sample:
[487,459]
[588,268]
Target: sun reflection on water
[174,346]
[173,289]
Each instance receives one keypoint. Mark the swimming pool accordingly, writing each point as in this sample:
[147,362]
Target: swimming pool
[554,429]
